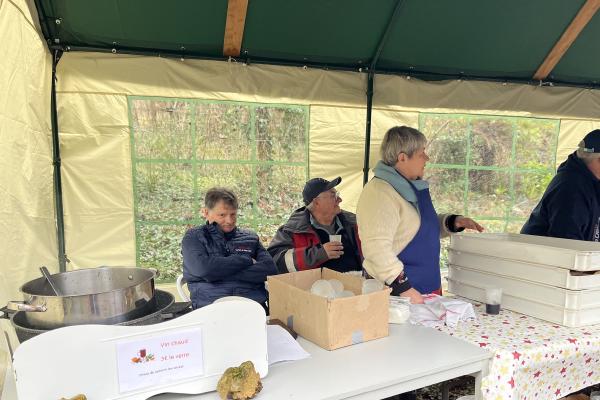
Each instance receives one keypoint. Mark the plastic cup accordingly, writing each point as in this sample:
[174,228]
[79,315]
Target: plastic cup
[371,285]
[335,238]
[399,313]
[336,285]
[344,293]
[323,288]
[493,300]
[493,309]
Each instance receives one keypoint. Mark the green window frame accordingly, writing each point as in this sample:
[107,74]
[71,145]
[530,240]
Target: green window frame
[246,161]
[526,170]
[514,167]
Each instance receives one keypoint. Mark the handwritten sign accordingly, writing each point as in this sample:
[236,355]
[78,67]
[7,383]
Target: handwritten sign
[159,360]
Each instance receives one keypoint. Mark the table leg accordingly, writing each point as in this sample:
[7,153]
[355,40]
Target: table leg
[9,389]
[478,377]
[445,391]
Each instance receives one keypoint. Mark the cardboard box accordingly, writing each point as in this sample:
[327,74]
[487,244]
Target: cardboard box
[330,324]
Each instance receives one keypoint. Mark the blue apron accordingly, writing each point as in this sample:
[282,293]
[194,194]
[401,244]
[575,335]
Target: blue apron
[421,258]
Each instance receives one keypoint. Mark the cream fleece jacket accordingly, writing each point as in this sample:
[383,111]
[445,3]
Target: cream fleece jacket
[386,225]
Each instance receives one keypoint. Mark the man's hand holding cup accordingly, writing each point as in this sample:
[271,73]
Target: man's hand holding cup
[334,247]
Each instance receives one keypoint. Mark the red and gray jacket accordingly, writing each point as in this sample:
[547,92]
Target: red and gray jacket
[297,245]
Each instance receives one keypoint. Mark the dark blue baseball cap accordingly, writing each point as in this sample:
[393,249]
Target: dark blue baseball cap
[591,142]
[316,186]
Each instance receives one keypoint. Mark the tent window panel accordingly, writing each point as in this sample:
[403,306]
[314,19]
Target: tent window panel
[181,147]
[159,246]
[489,194]
[447,186]
[529,188]
[164,191]
[514,226]
[507,163]
[237,177]
[266,228]
[493,225]
[491,142]
[223,132]
[536,144]
[162,129]
[280,134]
[447,139]
[278,189]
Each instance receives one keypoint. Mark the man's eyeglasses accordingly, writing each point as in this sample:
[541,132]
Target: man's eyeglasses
[331,194]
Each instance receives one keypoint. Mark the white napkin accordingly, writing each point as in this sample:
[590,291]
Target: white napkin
[439,310]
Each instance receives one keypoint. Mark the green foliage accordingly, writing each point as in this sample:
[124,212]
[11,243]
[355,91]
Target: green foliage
[165,192]
[447,137]
[494,169]
[536,143]
[223,132]
[489,167]
[281,134]
[447,187]
[160,248]
[161,129]
[491,142]
[183,148]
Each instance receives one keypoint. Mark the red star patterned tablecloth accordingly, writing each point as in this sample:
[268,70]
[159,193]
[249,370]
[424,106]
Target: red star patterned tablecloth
[533,359]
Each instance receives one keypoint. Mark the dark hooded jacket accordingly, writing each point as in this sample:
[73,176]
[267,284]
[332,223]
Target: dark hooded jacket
[217,264]
[570,207]
[298,245]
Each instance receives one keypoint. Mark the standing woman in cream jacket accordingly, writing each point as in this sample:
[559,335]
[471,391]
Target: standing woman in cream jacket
[398,226]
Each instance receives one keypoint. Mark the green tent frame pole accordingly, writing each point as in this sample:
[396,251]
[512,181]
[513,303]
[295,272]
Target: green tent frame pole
[58,202]
[370,78]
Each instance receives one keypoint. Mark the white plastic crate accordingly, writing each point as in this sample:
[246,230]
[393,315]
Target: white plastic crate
[550,313]
[571,299]
[564,253]
[549,275]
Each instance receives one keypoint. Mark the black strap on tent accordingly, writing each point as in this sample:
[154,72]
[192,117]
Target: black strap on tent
[370,82]
[370,78]
[58,203]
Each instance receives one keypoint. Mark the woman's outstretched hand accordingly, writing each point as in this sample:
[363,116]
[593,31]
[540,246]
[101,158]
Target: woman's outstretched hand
[467,223]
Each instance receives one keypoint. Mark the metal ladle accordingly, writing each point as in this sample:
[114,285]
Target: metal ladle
[48,277]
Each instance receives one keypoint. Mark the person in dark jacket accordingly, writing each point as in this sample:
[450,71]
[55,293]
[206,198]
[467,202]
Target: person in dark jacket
[220,259]
[570,207]
[320,234]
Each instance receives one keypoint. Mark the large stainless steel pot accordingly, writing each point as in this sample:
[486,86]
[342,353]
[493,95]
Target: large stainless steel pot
[104,295]
[164,311]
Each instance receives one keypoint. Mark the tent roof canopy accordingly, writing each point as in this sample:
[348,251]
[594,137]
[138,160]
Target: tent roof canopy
[431,39]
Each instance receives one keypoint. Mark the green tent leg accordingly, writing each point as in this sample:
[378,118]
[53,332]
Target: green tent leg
[58,202]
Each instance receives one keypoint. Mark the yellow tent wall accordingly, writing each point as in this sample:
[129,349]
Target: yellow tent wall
[27,223]
[95,136]
[93,120]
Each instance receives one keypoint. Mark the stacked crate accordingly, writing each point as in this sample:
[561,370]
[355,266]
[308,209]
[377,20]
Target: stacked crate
[557,280]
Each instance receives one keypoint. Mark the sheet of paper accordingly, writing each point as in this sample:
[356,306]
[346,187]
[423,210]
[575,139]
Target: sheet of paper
[281,346]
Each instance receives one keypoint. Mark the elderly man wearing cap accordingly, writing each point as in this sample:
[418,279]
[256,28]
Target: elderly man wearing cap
[320,234]
[570,207]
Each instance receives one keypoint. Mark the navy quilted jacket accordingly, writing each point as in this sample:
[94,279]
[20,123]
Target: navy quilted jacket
[217,264]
